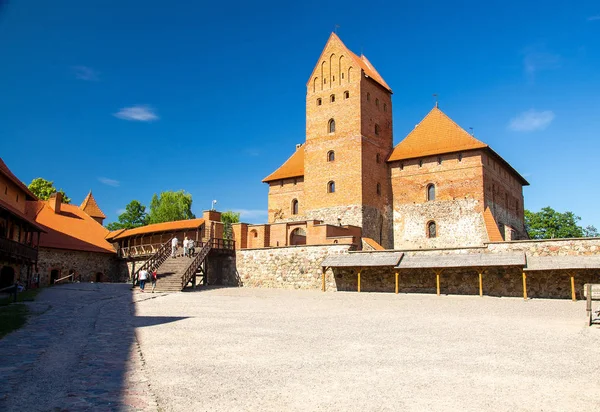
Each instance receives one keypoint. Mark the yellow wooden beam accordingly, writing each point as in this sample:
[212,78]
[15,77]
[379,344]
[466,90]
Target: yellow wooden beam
[323,285]
[524,285]
[573,294]
[396,283]
[437,280]
[480,282]
[359,280]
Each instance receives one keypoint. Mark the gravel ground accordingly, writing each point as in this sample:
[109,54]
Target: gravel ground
[282,350]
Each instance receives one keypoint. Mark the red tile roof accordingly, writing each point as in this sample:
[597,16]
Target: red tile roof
[372,243]
[436,134]
[293,167]
[491,226]
[71,229]
[158,227]
[90,207]
[6,172]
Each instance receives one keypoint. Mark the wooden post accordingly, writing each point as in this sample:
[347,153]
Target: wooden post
[573,294]
[396,283]
[323,286]
[359,280]
[524,285]
[437,280]
[480,282]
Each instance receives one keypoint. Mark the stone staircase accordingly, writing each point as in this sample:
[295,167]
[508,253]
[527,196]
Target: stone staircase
[170,273]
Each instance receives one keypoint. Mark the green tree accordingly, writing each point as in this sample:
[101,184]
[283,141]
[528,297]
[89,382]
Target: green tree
[590,231]
[43,189]
[170,206]
[227,218]
[550,224]
[134,216]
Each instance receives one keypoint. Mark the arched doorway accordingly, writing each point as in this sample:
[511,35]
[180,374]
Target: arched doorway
[7,276]
[54,274]
[298,237]
[98,277]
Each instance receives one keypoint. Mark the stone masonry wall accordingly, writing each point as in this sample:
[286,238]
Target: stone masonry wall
[294,267]
[85,264]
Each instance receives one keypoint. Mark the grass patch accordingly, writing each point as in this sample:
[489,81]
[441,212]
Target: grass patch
[12,317]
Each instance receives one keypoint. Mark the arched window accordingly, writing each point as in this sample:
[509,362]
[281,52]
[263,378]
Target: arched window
[294,207]
[431,230]
[377,102]
[298,237]
[319,101]
[385,107]
[331,187]
[378,189]
[430,192]
[346,94]
[368,96]
[331,126]
[378,158]
[330,156]
[332,98]
[377,130]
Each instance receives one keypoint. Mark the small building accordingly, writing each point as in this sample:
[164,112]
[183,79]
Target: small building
[19,233]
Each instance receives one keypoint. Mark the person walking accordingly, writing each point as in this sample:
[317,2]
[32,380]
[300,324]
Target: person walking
[154,278]
[191,247]
[174,243]
[143,278]
[185,246]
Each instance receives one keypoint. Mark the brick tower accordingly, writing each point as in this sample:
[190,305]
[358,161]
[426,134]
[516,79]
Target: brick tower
[348,140]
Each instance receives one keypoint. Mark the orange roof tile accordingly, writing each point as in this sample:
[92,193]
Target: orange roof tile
[491,226]
[361,62]
[293,167]
[372,243]
[90,207]
[160,227]
[114,233]
[71,229]
[436,134]
[6,172]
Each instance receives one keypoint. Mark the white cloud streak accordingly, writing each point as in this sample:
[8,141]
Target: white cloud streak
[252,215]
[594,18]
[86,73]
[109,182]
[531,120]
[139,113]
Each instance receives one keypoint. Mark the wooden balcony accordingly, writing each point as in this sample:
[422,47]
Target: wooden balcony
[17,251]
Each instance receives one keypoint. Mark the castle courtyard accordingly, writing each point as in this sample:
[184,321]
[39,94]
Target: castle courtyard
[98,347]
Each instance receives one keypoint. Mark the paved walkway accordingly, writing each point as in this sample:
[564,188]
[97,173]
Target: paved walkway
[79,352]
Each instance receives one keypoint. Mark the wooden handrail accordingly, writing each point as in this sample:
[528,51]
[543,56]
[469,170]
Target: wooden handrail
[155,260]
[196,262]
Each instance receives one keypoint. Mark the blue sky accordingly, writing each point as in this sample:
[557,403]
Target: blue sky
[130,98]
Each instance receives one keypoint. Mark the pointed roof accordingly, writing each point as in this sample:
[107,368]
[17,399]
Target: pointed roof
[90,207]
[293,167]
[436,134]
[361,62]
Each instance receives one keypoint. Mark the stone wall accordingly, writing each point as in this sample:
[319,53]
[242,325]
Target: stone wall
[294,267]
[86,265]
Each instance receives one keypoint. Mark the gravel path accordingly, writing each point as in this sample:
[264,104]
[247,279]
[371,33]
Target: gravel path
[282,350]
[98,347]
[78,353]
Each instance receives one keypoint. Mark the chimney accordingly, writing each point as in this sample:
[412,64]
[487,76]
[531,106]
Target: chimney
[55,201]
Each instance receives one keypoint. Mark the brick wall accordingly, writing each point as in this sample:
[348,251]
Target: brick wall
[281,194]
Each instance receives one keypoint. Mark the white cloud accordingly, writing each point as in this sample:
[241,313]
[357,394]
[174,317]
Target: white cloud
[531,120]
[86,73]
[137,113]
[593,18]
[252,215]
[252,152]
[109,182]
[535,61]
[121,211]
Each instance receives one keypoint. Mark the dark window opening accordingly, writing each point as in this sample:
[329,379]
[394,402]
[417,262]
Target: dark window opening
[378,189]
[319,101]
[294,207]
[332,98]
[431,230]
[331,187]
[330,156]
[377,130]
[346,94]
[430,192]
[331,126]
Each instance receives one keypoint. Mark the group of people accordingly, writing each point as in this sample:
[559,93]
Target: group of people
[144,274]
[189,247]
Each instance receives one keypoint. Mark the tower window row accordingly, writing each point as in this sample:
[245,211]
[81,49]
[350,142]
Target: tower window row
[332,98]
[376,102]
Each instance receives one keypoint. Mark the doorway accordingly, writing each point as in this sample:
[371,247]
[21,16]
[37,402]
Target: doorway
[54,275]
[7,276]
